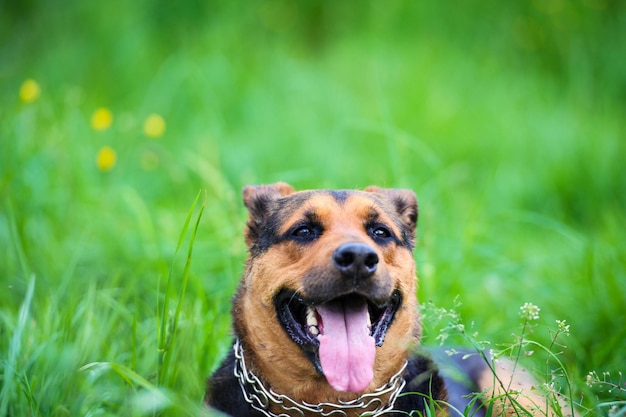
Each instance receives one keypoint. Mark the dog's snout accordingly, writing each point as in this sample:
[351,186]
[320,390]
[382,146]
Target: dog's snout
[356,260]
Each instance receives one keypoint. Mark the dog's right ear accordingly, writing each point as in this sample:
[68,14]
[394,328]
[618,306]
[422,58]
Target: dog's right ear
[257,199]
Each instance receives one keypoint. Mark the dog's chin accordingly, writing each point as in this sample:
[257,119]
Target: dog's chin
[338,335]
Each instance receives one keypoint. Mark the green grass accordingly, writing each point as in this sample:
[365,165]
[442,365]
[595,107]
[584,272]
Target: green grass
[506,121]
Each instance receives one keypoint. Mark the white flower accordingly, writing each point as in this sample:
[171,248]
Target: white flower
[529,311]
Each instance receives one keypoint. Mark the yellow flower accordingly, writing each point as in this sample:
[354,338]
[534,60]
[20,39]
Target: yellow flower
[106,158]
[29,91]
[101,119]
[154,126]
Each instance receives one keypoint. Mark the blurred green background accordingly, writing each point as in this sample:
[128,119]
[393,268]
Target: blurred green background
[506,118]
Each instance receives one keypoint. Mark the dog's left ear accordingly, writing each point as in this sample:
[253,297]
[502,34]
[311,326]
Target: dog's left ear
[404,201]
[257,199]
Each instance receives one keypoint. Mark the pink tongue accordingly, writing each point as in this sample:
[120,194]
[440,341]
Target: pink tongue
[346,348]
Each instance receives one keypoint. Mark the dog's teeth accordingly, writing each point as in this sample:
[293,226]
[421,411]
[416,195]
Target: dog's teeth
[369,321]
[311,320]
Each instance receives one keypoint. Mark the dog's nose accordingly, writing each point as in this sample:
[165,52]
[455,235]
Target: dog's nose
[355,260]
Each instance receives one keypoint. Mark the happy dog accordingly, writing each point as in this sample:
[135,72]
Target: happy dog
[325,316]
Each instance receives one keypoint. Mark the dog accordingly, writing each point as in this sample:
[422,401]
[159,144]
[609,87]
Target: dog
[326,319]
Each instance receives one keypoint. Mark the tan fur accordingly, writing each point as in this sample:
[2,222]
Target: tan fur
[514,390]
[281,361]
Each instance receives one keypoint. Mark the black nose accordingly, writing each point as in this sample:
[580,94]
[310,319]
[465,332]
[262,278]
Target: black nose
[355,260]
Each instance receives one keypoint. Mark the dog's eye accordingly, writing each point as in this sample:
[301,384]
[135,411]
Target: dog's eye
[302,231]
[305,232]
[380,232]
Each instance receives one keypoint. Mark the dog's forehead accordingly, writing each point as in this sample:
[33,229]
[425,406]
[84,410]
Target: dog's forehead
[328,205]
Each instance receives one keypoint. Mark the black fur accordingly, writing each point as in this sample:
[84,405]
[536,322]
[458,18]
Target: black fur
[224,392]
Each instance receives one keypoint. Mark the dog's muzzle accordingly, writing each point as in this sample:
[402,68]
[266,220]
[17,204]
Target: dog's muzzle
[342,315]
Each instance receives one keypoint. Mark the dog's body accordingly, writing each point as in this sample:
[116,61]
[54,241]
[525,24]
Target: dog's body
[325,316]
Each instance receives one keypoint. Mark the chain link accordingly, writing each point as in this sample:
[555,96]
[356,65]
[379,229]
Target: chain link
[260,398]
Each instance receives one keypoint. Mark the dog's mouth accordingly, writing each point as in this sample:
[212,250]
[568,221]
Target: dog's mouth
[340,335]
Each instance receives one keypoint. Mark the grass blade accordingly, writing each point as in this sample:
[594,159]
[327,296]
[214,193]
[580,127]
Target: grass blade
[14,348]
[167,335]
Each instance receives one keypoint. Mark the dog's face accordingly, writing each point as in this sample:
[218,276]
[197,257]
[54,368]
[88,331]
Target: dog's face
[329,288]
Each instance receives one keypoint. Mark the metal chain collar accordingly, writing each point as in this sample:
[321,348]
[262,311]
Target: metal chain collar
[260,398]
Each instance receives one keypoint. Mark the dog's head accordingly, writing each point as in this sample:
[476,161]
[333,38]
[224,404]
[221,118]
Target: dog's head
[329,287]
